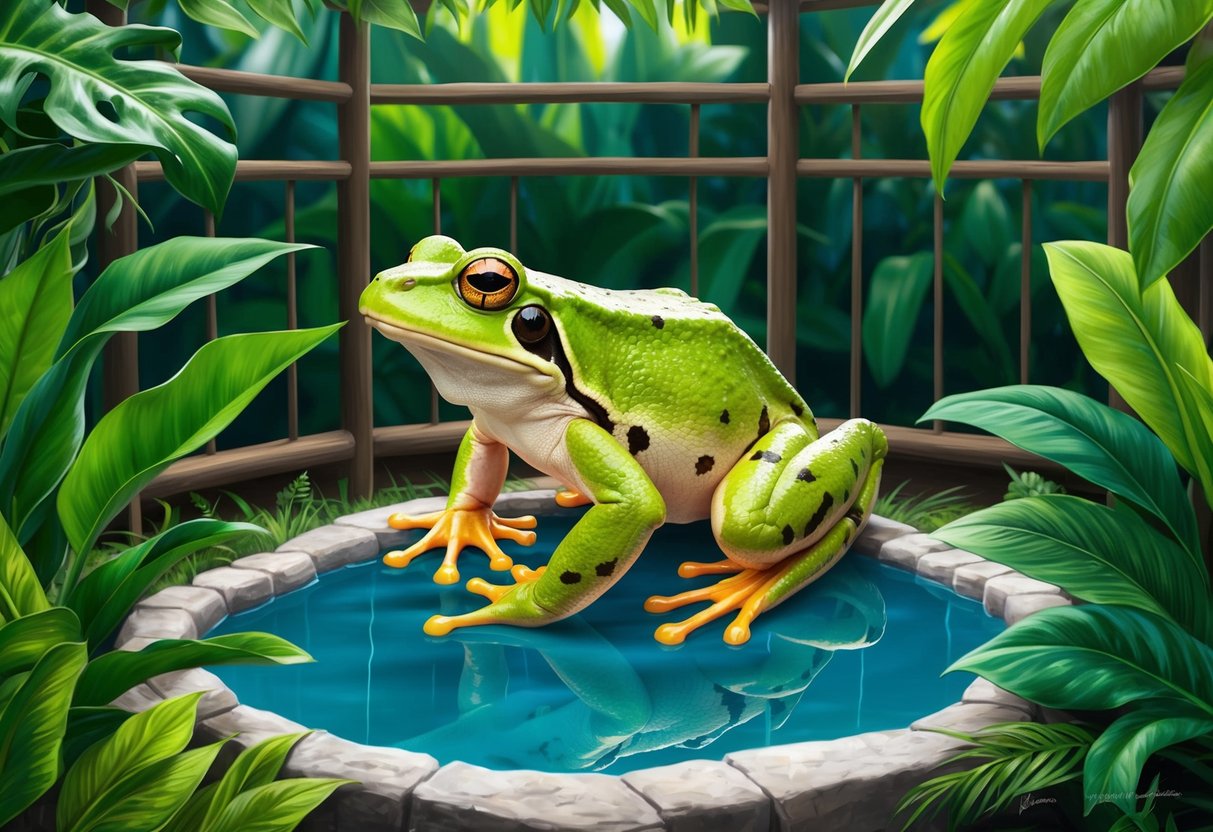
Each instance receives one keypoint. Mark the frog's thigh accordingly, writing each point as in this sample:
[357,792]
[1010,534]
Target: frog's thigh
[790,490]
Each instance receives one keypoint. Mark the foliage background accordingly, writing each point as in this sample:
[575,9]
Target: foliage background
[632,231]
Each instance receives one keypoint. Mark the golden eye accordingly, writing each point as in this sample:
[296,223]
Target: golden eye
[487,283]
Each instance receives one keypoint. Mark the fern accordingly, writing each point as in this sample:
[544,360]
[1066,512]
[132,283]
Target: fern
[299,491]
[1028,484]
[1019,757]
[924,512]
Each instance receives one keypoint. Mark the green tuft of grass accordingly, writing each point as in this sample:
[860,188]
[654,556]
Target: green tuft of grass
[925,512]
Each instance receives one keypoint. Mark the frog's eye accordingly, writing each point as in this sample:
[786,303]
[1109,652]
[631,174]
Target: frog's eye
[532,324]
[487,283]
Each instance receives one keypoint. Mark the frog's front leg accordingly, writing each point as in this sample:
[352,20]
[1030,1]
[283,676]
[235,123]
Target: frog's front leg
[595,553]
[468,518]
[784,515]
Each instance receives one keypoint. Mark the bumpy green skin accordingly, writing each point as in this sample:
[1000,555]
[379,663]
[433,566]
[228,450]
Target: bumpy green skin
[652,403]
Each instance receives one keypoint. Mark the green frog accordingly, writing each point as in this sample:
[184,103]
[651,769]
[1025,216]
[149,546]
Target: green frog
[649,405]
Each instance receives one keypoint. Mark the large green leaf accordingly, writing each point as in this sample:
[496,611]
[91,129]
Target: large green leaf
[882,21]
[1137,340]
[1114,763]
[89,725]
[138,292]
[1169,211]
[220,14]
[280,13]
[255,767]
[1096,658]
[986,222]
[275,807]
[1102,45]
[31,728]
[1098,554]
[726,249]
[53,164]
[140,437]
[387,13]
[962,70]
[25,640]
[153,736]
[147,102]
[111,674]
[105,596]
[20,592]
[890,315]
[1104,446]
[35,303]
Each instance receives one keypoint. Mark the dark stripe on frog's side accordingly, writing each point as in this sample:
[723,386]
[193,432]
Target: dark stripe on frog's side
[704,464]
[570,577]
[827,503]
[724,417]
[638,439]
[797,409]
[764,423]
[788,535]
[606,568]
[551,348]
[658,321]
[766,456]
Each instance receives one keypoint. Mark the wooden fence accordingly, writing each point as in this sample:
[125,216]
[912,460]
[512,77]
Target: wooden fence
[360,444]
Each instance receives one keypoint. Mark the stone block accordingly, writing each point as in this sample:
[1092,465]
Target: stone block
[463,797]
[287,570]
[985,691]
[206,606]
[241,589]
[139,698]
[156,623]
[375,520]
[386,777]
[218,698]
[1001,587]
[970,717]
[703,796]
[332,547]
[970,579]
[1018,607]
[853,783]
[942,566]
[905,551]
[877,533]
[535,501]
[246,726]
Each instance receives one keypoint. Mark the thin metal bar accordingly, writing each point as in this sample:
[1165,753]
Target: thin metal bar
[292,315]
[514,215]
[1096,171]
[570,93]
[1025,285]
[693,151]
[574,166]
[436,190]
[856,269]
[937,371]
[212,309]
[273,86]
[353,251]
[783,69]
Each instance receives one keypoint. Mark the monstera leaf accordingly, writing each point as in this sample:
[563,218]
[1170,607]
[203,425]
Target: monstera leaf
[98,98]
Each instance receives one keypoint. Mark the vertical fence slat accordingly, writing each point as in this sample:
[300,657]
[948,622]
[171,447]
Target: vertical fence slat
[1124,141]
[514,216]
[937,325]
[212,308]
[783,71]
[292,313]
[1025,285]
[856,269]
[354,253]
[693,151]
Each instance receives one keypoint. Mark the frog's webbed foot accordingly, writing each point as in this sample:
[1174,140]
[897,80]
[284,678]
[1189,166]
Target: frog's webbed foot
[509,604]
[456,528]
[568,498]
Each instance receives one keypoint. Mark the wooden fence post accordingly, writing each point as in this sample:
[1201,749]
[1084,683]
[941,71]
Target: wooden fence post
[354,253]
[783,73]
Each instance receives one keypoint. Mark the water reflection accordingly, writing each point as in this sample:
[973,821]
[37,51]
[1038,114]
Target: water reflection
[618,700]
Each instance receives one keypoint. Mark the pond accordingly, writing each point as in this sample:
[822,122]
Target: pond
[860,650]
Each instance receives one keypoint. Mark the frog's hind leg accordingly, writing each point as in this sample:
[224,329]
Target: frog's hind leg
[784,516]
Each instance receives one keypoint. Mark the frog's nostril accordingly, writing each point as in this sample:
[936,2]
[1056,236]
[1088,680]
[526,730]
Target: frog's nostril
[408,284]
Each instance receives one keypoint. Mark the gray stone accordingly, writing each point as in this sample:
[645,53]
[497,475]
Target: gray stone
[287,570]
[246,726]
[461,796]
[942,566]
[985,691]
[386,777]
[157,622]
[134,645]
[969,717]
[332,547]
[218,698]
[139,698]
[905,551]
[970,580]
[879,531]
[1018,607]
[240,588]
[999,588]
[853,783]
[535,501]
[703,795]
[205,605]
[375,520]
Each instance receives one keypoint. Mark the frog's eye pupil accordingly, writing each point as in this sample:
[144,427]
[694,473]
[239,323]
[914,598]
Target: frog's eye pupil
[532,324]
[487,283]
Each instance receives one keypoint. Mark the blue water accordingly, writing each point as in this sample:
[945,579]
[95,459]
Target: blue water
[860,650]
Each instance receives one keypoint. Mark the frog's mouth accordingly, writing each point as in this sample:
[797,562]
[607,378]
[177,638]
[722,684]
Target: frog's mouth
[410,338]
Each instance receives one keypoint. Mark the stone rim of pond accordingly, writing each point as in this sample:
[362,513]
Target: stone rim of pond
[853,782]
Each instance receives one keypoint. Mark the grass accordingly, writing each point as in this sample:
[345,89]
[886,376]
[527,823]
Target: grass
[925,512]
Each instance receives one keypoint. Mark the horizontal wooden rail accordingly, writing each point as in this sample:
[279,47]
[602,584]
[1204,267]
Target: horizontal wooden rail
[573,93]
[921,169]
[249,170]
[412,440]
[577,166]
[272,86]
[820,5]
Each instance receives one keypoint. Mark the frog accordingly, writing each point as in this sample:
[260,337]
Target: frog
[649,406]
